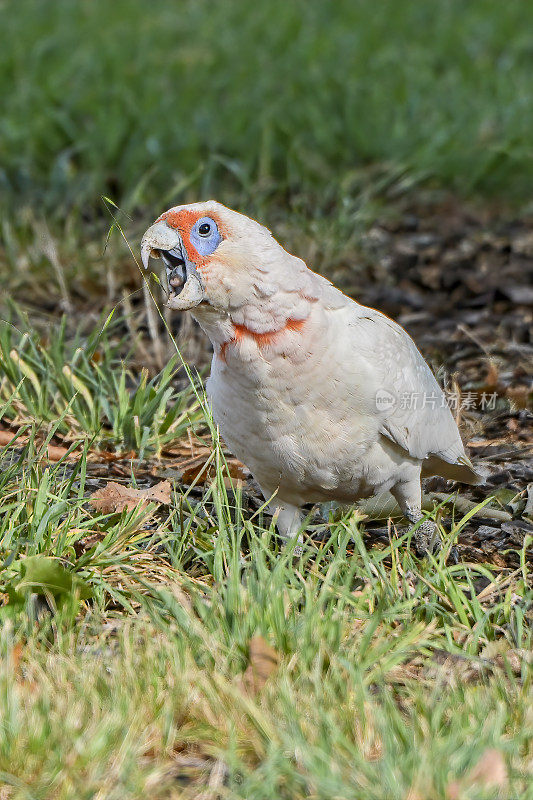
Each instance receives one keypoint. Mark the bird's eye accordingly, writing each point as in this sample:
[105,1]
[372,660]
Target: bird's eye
[204,236]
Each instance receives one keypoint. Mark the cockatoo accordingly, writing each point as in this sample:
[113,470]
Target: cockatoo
[322,398]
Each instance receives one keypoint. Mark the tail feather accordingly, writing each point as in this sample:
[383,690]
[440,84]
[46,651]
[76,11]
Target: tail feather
[462,470]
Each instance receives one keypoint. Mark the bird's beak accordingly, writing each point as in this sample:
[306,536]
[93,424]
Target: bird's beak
[185,284]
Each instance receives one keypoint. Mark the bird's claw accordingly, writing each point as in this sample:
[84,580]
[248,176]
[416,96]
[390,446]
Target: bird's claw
[453,555]
[433,545]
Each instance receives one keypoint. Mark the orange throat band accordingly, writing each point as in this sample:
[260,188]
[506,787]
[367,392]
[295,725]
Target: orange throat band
[261,339]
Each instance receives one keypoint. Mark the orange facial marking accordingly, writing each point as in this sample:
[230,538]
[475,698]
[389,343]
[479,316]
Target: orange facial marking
[223,348]
[261,339]
[183,221]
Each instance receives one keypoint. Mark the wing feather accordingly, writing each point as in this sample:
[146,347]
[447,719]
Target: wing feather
[413,408]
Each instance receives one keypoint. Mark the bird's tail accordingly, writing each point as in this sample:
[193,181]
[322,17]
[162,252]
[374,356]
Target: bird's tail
[461,470]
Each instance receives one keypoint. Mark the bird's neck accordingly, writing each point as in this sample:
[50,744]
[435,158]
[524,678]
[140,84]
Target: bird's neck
[252,327]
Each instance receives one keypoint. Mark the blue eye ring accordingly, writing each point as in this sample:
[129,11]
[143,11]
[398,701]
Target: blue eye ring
[205,237]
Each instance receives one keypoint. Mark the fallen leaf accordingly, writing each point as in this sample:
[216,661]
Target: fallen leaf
[237,471]
[104,456]
[198,474]
[117,497]
[6,437]
[82,546]
[490,772]
[53,452]
[188,449]
[56,453]
[263,662]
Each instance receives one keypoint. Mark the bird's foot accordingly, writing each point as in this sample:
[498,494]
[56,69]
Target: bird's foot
[428,540]
[298,550]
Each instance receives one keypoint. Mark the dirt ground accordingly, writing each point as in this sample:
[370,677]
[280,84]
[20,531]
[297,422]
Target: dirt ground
[461,283]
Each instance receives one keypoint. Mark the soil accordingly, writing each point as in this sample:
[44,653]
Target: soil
[461,284]
[460,281]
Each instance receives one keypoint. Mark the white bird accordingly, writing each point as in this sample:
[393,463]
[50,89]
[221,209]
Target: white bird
[322,398]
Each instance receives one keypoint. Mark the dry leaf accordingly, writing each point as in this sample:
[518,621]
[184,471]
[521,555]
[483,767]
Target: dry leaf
[6,437]
[82,546]
[117,497]
[188,449]
[490,772]
[56,453]
[198,474]
[53,452]
[263,662]
[519,396]
[108,456]
[237,471]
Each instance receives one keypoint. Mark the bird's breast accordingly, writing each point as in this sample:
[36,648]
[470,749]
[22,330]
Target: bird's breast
[286,414]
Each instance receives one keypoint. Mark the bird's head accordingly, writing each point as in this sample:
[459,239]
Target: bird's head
[212,255]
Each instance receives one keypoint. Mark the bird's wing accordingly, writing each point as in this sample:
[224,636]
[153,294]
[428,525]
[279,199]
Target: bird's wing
[411,406]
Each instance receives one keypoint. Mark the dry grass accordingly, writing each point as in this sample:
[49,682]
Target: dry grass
[129,665]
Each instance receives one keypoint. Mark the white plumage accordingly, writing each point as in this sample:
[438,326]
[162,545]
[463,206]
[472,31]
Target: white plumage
[321,397]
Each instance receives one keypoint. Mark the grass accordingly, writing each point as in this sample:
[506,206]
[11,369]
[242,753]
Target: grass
[128,651]
[140,714]
[242,102]
[127,639]
[177,651]
[83,387]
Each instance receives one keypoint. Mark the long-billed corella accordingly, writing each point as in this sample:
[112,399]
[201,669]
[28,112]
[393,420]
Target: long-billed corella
[308,386]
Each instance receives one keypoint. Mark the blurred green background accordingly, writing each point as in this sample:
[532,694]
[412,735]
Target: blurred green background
[145,102]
